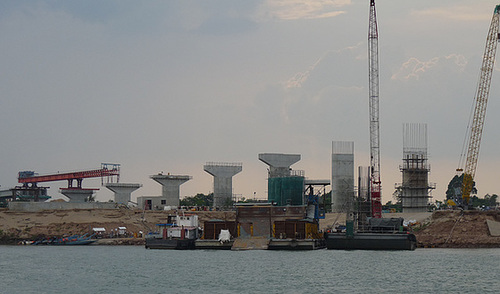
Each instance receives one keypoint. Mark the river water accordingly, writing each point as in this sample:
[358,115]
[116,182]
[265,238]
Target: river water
[134,269]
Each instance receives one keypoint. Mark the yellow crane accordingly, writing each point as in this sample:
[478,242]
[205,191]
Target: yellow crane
[480,101]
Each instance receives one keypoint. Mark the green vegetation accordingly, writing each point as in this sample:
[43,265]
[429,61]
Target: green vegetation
[198,200]
[455,188]
[325,201]
[394,207]
[487,201]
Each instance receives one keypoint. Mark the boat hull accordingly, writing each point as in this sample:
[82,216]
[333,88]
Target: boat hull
[74,240]
[213,244]
[73,243]
[296,244]
[371,241]
[179,244]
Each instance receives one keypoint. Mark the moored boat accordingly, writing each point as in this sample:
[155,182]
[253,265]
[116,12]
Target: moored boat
[178,235]
[381,234]
[73,240]
[371,241]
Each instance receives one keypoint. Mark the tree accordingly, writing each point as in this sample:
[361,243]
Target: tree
[326,201]
[493,200]
[198,200]
[397,207]
[487,201]
[454,191]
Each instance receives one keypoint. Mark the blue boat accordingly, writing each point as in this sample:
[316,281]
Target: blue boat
[73,240]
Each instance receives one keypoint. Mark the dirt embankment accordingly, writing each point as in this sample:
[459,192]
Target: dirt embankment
[444,229]
[16,225]
[458,229]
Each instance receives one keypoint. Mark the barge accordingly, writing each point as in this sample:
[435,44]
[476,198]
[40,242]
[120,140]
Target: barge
[381,234]
[371,241]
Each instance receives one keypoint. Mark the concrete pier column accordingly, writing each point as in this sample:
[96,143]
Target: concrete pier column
[170,187]
[223,173]
[342,176]
[77,194]
[279,164]
[122,191]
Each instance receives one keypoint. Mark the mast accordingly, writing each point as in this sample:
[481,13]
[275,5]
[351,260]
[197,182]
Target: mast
[375,183]
[481,100]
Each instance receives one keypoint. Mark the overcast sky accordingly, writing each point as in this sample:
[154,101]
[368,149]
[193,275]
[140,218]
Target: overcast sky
[170,85]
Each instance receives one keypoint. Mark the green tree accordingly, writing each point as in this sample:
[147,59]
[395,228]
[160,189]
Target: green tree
[454,190]
[198,200]
[487,201]
[396,206]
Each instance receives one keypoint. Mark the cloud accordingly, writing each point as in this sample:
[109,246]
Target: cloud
[330,59]
[414,68]
[460,13]
[301,77]
[299,9]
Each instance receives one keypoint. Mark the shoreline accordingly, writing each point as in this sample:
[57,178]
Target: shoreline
[440,229]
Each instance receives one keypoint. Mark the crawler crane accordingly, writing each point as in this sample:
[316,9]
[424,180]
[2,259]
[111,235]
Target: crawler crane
[477,121]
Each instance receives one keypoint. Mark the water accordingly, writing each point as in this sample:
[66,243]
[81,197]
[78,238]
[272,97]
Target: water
[133,269]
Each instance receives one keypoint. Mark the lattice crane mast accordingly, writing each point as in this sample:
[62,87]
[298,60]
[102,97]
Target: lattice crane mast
[375,183]
[480,100]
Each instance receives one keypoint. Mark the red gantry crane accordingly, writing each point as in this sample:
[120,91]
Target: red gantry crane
[375,184]
[477,120]
[107,170]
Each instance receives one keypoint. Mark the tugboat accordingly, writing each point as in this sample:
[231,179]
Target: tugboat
[179,233]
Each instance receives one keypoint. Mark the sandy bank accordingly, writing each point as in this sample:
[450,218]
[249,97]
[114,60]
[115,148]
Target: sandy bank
[445,229]
[31,225]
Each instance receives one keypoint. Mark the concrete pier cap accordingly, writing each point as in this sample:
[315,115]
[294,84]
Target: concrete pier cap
[77,194]
[123,191]
[170,187]
[223,183]
[279,163]
[223,169]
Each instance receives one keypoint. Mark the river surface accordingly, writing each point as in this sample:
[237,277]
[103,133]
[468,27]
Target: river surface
[133,269]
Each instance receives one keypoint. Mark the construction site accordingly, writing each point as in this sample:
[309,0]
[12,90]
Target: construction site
[298,213]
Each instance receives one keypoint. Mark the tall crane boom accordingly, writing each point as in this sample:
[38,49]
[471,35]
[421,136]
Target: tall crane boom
[481,100]
[375,184]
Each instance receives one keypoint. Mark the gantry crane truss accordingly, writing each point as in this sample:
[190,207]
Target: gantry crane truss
[375,183]
[107,170]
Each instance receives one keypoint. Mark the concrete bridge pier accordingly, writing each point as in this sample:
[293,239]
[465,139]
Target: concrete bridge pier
[123,191]
[77,194]
[223,180]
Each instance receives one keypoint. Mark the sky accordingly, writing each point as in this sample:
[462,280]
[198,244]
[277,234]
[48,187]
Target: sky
[166,86]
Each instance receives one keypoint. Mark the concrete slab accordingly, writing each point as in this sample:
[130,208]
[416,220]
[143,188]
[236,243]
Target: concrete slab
[493,227]
[252,243]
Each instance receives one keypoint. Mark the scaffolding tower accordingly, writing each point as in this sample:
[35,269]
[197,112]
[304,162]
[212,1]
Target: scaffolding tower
[414,191]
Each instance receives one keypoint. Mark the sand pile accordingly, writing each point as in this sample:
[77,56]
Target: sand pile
[458,229]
